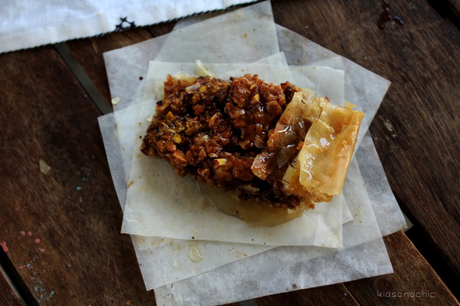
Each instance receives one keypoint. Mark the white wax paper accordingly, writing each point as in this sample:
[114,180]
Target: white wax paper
[291,268]
[277,271]
[126,66]
[241,36]
[389,216]
[161,204]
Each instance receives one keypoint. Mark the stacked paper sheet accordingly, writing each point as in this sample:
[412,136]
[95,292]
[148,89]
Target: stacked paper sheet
[189,252]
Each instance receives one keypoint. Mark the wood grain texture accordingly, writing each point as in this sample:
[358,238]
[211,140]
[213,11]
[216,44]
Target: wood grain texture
[89,51]
[62,228]
[413,282]
[7,295]
[327,295]
[417,127]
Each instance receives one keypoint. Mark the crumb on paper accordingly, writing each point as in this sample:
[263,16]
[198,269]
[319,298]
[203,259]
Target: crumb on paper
[130,184]
[44,168]
[115,101]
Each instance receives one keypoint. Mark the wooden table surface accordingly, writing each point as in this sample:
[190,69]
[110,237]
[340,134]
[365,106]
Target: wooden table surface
[60,231]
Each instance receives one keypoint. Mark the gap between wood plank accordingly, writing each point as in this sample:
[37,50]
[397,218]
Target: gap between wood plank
[447,11]
[82,77]
[15,280]
[10,282]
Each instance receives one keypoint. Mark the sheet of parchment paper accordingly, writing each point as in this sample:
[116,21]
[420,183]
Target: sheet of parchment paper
[271,272]
[250,31]
[158,200]
[389,216]
[292,268]
[126,67]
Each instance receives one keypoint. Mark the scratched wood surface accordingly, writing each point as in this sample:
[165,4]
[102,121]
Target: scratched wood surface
[80,257]
[62,228]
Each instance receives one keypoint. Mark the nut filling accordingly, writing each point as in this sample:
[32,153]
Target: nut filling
[238,135]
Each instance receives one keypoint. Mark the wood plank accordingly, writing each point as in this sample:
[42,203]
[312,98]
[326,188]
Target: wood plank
[89,51]
[7,293]
[61,228]
[416,128]
[327,295]
[413,282]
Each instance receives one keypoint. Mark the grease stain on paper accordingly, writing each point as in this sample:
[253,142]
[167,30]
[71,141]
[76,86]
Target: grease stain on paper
[194,254]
